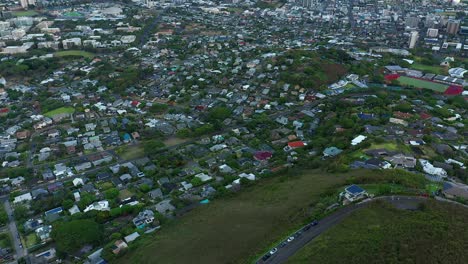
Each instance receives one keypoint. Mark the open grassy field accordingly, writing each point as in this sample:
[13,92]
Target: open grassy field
[234,229]
[392,146]
[61,110]
[436,233]
[428,68]
[438,87]
[74,53]
[25,13]
[128,152]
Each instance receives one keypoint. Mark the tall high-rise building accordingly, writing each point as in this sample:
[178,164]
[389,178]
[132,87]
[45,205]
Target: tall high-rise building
[453,26]
[413,39]
[24,3]
[432,32]
[27,3]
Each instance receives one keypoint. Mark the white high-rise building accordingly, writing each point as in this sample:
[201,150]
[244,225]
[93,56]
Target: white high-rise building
[413,39]
[26,3]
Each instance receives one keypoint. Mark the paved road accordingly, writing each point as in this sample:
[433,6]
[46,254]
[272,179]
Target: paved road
[20,251]
[281,256]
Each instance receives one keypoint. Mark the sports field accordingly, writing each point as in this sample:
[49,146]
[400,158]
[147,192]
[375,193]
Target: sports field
[417,83]
[25,13]
[75,53]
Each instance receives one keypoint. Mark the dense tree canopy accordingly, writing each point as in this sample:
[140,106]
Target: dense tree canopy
[71,236]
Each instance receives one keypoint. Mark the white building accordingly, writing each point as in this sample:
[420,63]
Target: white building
[413,39]
[358,140]
[430,169]
[98,206]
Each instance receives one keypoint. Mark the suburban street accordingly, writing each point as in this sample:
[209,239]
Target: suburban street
[282,255]
[19,250]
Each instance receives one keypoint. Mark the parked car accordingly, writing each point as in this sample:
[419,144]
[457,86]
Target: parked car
[267,256]
[291,238]
[273,251]
[314,223]
[284,243]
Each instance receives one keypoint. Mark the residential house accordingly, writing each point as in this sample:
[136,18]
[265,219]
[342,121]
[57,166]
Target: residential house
[353,193]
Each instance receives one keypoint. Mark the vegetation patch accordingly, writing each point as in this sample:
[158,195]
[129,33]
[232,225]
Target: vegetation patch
[385,234]
[59,111]
[74,53]
[238,226]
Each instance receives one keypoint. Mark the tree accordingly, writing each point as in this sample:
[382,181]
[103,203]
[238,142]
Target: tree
[158,108]
[70,236]
[219,113]
[112,193]
[67,204]
[21,212]
[151,147]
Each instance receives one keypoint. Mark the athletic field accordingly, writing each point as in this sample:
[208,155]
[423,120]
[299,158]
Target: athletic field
[418,83]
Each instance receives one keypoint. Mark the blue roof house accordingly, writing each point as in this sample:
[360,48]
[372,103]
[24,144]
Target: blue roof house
[353,193]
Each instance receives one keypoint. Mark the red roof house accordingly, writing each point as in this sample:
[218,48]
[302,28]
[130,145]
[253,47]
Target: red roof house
[296,144]
[262,155]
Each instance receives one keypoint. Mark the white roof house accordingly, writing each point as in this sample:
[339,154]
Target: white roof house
[22,198]
[131,237]
[358,140]
[98,206]
[430,169]
[204,177]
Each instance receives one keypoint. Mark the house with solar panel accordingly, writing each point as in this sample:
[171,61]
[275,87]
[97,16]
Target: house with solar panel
[353,193]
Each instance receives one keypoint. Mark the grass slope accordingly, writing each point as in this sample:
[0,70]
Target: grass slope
[233,229]
[383,234]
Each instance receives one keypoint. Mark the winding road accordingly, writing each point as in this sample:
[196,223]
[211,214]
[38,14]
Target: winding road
[303,237]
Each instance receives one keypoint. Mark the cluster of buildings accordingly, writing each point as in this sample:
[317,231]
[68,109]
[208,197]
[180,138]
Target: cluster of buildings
[220,88]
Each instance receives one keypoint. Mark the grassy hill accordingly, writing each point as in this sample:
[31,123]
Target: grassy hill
[233,229]
[382,234]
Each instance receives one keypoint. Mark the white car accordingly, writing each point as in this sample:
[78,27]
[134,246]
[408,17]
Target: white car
[291,238]
[273,251]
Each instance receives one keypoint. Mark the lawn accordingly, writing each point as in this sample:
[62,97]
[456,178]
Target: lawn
[234,229]
[428,68]
[436,233]
[31,240]
[128,152]
[124,194]
[438,87]
[391,146]
[74,53]
[5,241]
[388,145]
[61,110]
[25,13]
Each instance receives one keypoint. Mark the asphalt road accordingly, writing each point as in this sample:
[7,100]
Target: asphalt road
[19,249]
[306,236]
